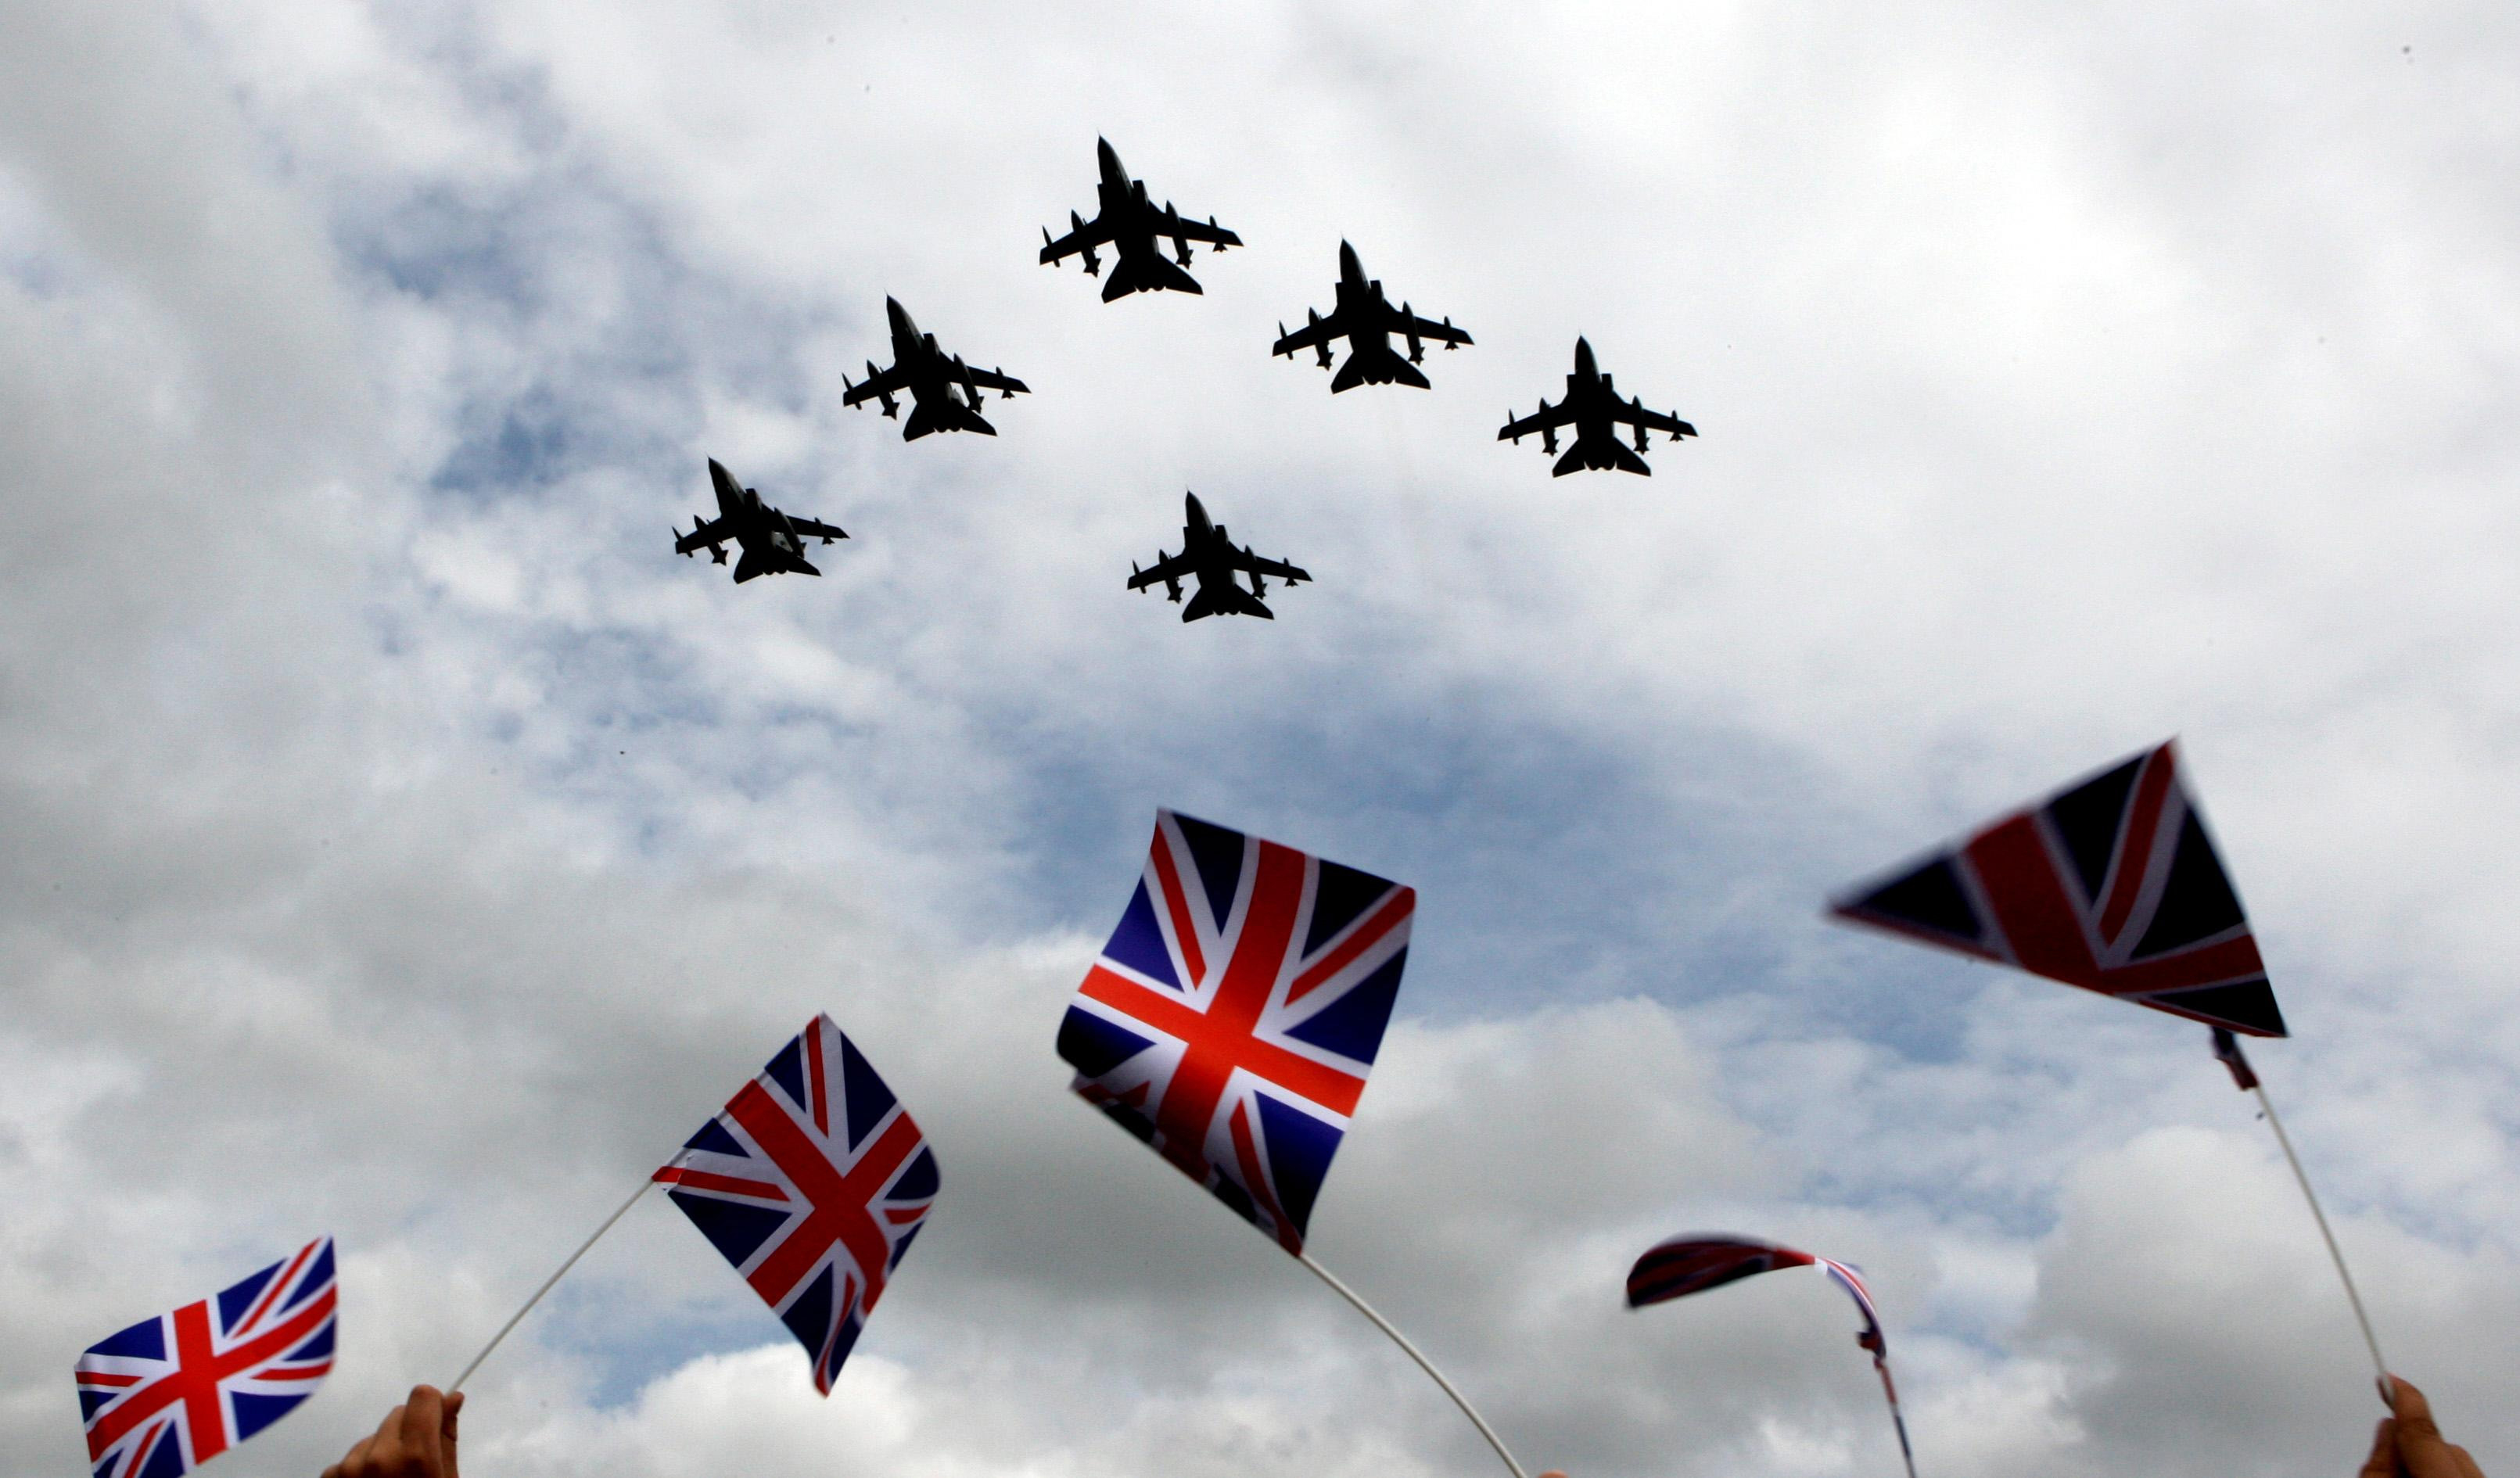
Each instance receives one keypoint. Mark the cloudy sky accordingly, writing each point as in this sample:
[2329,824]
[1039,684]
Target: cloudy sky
[402,844]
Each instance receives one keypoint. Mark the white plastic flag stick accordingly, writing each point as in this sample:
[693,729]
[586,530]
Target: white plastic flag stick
[2226,1048]
[2353,1297]
[1424,1363]
[515,1317]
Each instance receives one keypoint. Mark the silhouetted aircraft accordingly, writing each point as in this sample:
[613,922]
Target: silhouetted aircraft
[946,390]
[1596,411]
[1366,319]
[1209,554]
[773,543]
[1131,224]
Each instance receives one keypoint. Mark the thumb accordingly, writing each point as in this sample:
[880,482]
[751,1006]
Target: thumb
[2414,1413]
[2383,1461]
[446,1431]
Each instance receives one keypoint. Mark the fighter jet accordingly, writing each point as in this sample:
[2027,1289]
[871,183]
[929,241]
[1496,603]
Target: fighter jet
[773,543]
[946,390]
[1596,411]
[1209,554]
[1131,224]
[1366,319]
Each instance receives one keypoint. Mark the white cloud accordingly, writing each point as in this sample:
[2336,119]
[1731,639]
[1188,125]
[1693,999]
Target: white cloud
[402,844]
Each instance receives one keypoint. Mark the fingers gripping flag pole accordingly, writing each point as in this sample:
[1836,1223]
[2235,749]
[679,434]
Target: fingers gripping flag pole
[2112,884]
[1230,1021]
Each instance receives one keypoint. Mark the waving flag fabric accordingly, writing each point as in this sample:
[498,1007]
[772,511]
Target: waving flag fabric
[812,1183]
[2111,883]
[1686,1265]
[1870,1338]
[1695,1263]
[171,1393]
[1232,1020]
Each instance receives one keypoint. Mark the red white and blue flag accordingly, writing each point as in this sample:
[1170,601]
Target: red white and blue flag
[812,1183]
[1693,1263]
[2111,883]
[1233,1016]
[1872,1340]
[171,1393]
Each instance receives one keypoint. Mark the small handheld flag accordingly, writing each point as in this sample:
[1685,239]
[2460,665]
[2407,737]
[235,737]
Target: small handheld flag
[1232,1020]
[813,1182]
[171,1393]
[2111,883]
[1233,1016]
[1693,1263]
[1686,1265]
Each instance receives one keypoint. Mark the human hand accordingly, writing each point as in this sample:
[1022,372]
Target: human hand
[2408,1445]
[416,1440]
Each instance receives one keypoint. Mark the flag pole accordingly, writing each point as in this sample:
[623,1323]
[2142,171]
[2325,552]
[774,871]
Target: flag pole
[1907,1453]
[2352,1296]
[2226,1048]
[1414,1353]
[516,1318]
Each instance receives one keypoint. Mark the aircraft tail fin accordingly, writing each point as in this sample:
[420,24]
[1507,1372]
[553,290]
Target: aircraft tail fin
[1148,272]
[944,415]
[750,566]
[1600,454]
[1226,599]
[1377,366]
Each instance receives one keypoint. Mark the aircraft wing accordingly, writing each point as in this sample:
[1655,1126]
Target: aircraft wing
[714,531]
[1636,415]
[1084,238]
[1312,336]
[816,528]
[997,380]
[1177,567]
[1189,230]
[1412,324]
[1548,419]
[1291,575]
[891,381]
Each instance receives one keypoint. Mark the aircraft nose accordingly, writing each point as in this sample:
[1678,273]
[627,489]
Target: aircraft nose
[1584,364]
[900,316]
[1193,508]
[1108,155]
[1349,266]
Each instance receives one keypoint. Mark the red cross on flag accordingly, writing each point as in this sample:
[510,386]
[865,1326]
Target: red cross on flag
[1233,1016]
[2111,883]
[812,1183]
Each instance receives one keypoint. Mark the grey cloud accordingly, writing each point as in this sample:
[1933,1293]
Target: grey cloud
[404,845]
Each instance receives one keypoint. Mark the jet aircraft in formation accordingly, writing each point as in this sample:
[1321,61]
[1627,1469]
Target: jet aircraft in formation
[947,395]
[1366,319]
[1596,411]
[773,543]
[1130,223]
[1210,557]
[947,391]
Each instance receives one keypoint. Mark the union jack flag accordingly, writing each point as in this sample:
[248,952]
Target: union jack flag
[2111,883]
[171,1393]
[1232,1020]
[1693,1263]
[812,1183]
[1850,1278]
